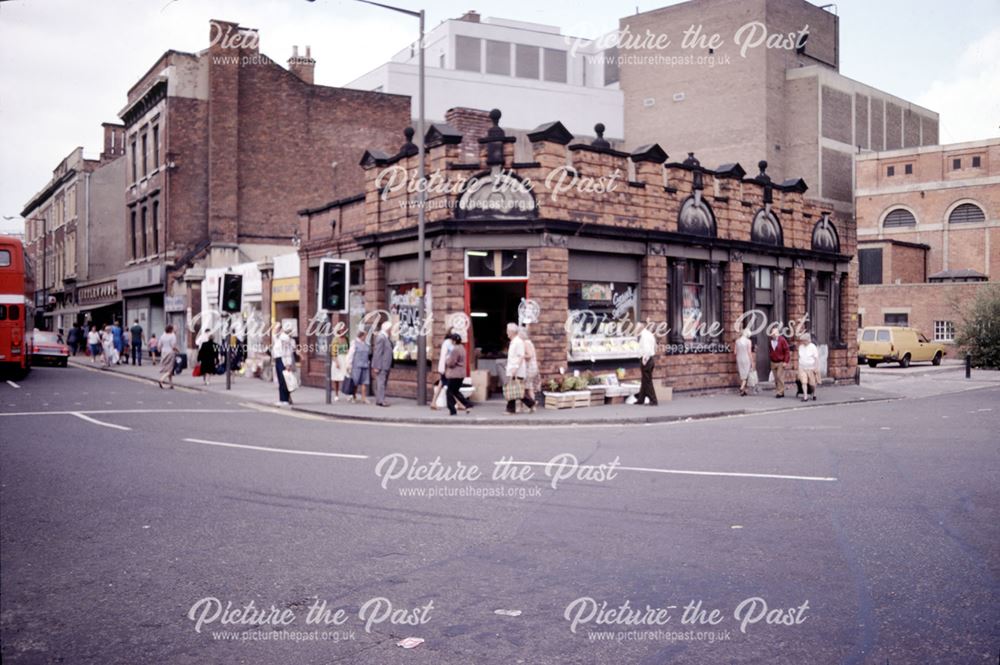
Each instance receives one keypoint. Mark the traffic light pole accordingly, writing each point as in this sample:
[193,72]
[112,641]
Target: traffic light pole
[227,346]
[329,355]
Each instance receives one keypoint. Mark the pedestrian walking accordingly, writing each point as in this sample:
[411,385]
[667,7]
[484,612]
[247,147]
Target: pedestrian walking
[284,359]
[744,362]
[338,365]
[442,383]
[647,361]
[532,377]
[208,356]
[167,348]
[517,371]
[110,354]
[360,360]
[73,339]
[94,344]
[808,367]
[138,338]
[119,341]
[154,348]
[382,362]
[455,376]
[779,355]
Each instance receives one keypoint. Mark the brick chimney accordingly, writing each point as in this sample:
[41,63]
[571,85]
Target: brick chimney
[303,67]
[114,141]
[472,16]
[472,124]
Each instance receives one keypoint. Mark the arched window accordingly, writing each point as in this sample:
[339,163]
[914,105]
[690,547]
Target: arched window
[766,229]
[899,217]
[696,218]
[967,212]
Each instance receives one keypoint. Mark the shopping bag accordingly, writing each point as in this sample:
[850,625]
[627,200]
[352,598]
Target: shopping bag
[196,371]
[347,386]
[291,381]
[513,390]
[442,400]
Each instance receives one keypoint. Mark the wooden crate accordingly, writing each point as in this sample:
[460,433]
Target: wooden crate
[570,400]
[597,395]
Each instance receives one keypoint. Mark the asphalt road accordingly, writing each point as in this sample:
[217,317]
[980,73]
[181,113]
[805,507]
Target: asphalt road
[873,529]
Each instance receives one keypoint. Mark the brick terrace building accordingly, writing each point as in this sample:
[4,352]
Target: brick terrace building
[790,106]
[674,243]
[67,228]
[223,146]
[928,233]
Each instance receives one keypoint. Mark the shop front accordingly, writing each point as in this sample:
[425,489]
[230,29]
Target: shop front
[99,302]
[142,291]
[696,254]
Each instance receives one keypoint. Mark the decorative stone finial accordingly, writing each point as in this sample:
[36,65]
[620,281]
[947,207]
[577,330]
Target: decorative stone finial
[408,133]
[600,141]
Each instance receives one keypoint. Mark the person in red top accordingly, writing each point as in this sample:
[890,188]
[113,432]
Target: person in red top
[780,355]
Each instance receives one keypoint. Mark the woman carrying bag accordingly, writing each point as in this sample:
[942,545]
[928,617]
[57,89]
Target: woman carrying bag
[454,373]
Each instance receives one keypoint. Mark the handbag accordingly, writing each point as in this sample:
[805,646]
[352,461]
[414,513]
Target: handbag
[513,390]
[347,386]
[196,372]
[291,381]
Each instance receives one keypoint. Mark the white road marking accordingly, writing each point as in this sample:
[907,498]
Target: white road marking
[687,472]
[12,384]
[276,450]
[284,412]
[106,411]
[99,422]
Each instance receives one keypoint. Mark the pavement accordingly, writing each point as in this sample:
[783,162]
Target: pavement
[871,531]
[491,413]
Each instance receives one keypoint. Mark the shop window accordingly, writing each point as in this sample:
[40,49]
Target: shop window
[696,302]
[897,319]
[824,308]
[496,264]
[944,331]
[404,304]
[603,316]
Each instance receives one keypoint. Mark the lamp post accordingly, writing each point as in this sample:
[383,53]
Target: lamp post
[421,197]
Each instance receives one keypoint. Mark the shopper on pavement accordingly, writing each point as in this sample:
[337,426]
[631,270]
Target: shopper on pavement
[532,377]
[442,383]
[138,338]
[73,339]
[284,359]
[208,356]
[360,362]
[808,366]
[108,347]
[154,348]
[168,352]
[119,341]
[517,372]
[382,362]
[780,355]
[338,365]
[455,375]
[744,365]
[94,344]
[647,360]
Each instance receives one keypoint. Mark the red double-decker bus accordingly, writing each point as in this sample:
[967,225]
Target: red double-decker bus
[17,307]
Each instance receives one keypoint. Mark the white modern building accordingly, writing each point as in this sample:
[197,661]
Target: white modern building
[530,71]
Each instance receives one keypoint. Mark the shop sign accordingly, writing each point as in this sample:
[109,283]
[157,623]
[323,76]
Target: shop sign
[96,293]
[141,278]
[174,304]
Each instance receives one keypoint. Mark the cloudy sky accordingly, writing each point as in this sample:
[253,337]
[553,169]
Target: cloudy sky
[65,65]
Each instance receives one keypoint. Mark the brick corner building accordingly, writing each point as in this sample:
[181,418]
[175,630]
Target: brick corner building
[223,146]
[928,233]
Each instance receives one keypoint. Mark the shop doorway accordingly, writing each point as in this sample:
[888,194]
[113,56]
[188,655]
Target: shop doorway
[491,305]
[763,285]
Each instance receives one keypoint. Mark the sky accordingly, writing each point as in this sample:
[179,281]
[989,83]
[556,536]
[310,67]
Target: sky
[66,65]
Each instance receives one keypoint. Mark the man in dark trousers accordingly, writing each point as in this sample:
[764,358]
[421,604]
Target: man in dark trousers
[382,362]
[780,356]
[137,341]
[647,358]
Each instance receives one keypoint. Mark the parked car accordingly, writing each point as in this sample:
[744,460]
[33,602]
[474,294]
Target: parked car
[47,347]
[893,344]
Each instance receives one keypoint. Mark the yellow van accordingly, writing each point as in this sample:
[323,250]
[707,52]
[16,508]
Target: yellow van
[892,344]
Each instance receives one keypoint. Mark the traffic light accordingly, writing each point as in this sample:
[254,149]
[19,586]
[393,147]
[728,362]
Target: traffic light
[232,293]
[334,277]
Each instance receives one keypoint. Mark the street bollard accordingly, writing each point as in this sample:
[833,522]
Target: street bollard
[968,365]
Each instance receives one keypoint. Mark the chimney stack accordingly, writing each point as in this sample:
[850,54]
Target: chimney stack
[471,16]
[114,141]
[302,66]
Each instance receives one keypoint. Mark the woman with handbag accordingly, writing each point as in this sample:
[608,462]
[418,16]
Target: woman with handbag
[454,375]
[361,366]
[284,364]
[208,354]
[517,371]
[339,366]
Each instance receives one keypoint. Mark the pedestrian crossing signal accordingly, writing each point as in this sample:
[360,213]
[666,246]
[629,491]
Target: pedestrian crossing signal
[232,293]
[333,284]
